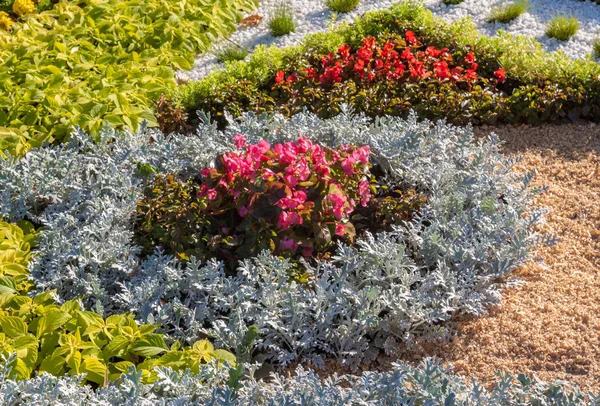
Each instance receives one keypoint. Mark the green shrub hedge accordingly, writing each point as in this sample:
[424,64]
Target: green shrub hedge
[539,86]
[100,60]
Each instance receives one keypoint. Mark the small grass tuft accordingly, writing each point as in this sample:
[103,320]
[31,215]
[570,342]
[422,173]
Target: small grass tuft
[282,20]
[596,48]
[452,2]
[342,6]
[231,53]
[508,12]
[562,27]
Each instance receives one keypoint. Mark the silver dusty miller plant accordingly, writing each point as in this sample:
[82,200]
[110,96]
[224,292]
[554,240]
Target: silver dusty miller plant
[426,384]
[389,288]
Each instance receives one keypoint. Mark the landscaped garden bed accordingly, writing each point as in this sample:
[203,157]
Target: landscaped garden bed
[307,209]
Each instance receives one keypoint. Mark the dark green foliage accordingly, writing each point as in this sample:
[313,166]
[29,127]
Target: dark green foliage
[452,2]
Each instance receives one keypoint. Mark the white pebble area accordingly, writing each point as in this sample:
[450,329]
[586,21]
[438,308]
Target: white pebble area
[313,15]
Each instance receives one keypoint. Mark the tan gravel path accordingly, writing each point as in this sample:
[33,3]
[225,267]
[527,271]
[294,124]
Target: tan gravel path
[550,326]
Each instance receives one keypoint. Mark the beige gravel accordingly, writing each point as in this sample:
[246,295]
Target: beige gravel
[550,326]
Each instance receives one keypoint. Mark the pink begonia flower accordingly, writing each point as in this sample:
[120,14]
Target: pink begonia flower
[299,169]
[291,180]
[205,172]
[296,200]
[304,144]
[286,153]
[239,141]
[340,229]
[348,165]
[267,174]
[231,162]
[362,154]
[338,212]
[288,219]
[243,211]
[288,244]
[203,190]
[336,200]
[212,194]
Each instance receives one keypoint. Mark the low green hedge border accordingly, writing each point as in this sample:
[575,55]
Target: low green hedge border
[543,86]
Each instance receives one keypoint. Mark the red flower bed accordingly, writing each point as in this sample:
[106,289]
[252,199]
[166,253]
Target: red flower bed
[403,61]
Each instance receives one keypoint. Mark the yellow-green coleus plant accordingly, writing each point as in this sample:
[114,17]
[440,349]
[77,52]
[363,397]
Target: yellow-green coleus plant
[65,339]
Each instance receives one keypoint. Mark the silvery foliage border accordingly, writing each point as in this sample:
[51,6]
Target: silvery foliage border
[393,287]
[428,383]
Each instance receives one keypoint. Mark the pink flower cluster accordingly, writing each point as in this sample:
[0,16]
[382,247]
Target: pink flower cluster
[298,189]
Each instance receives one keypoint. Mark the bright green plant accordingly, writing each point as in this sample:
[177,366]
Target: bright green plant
[282,20]
[508,12]
[342,6]
[15,252]
[65,339]
[232,53]
[87,63]
[562,27]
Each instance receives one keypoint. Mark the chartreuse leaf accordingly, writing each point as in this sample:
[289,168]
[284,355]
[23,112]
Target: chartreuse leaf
[51,321]
[95,369]
[13,327]
[149,345]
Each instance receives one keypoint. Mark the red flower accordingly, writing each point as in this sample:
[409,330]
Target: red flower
[500,74]
[369,42]
[292,78]
[344,51]
[406,54]
[471,75]
[441,70]
[474,66]
[279,77]
[410,37]
[470,58]
[431,51]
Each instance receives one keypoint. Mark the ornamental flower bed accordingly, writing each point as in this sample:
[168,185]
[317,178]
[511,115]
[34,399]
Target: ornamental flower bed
[354,300]
[293,198]
[391,75]
[386,63]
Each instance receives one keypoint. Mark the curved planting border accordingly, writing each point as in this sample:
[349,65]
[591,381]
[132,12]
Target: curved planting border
[390,288]
[541,86]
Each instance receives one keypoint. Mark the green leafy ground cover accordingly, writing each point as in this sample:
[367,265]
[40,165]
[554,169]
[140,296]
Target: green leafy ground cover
[81,64]
[539,86]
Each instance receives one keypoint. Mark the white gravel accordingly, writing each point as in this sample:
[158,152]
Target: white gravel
[313,16]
